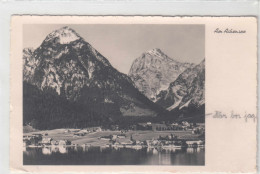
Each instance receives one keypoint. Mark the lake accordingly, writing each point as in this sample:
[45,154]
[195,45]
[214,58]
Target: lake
[112,156]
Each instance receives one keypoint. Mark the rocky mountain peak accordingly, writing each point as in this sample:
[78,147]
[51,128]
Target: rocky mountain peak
[28,50]
[70,67]
[155,53]
[64,35]
[153,71]
[188,90]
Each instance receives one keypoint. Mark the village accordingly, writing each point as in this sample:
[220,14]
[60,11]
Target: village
[142,135]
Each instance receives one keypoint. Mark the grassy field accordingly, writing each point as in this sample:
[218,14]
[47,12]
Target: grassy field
[93,138]
[148,135]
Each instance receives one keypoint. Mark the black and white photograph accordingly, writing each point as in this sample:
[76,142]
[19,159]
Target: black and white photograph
[114,94]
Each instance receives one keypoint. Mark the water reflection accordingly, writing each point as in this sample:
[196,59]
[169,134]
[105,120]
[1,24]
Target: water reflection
[155,151]
[55,149]
[46,151]
[63,149]
[86,155]
[84,148]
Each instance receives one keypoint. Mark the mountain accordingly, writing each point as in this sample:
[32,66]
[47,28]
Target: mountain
[186,93]
[69,83]
[153,71]
[29,64]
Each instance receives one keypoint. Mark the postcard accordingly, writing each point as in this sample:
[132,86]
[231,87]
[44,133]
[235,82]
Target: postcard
[133,94]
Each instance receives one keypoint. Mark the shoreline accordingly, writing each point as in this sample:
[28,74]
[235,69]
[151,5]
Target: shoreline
[130,139]
[119,146]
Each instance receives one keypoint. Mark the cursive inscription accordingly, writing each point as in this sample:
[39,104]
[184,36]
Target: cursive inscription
[232,115]
[219,114]
[235,116]
[249,116]
[229,31]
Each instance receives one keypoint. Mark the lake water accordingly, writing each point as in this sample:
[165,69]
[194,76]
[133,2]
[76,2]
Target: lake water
[112,156]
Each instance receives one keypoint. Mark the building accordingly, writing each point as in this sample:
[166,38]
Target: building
[84,131]
[174,124]
[98,129]
[78,134]
[156,142]
[200,124]
[159,127]
[114,127]
[67,131]
[74,130]
[27,137]
[46,141]
[94,129]
[37,135]
[126,142]
[64,142]
[54,143]
[143,126]
[194,143]
[121,136]
[185,123]
[105,138]
[26,143]
[33,139]
[114,137]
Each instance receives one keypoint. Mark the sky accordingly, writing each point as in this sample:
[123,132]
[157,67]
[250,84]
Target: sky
[121,44]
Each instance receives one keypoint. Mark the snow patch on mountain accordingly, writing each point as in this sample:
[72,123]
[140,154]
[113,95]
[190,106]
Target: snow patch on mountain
[175,105]
[186,104]
[64,35]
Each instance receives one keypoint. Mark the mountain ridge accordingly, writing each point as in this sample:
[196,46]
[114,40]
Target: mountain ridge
[187,91]
[69,68]
[68,83]
[153,71]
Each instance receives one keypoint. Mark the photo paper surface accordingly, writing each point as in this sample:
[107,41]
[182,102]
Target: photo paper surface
[133,93]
